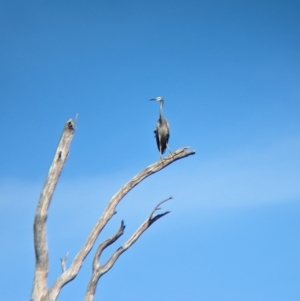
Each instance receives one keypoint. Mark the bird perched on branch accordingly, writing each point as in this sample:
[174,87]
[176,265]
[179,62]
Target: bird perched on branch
[162,131]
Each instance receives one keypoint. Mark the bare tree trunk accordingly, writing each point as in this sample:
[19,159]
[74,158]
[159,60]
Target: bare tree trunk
[40,291]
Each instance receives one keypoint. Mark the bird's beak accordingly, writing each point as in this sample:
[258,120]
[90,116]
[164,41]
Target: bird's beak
[153,99]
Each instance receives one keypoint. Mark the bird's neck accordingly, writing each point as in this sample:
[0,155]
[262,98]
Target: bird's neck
[161,110]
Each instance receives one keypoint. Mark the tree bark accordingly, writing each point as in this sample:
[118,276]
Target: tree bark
[40,292]
[39,289]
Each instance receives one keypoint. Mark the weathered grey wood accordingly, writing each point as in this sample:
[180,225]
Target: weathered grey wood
[99,270]
[39,289]
[40,292]
[109,211]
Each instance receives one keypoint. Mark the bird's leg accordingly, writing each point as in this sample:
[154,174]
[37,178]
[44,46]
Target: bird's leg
[161,159]
[160,153]
[169,150]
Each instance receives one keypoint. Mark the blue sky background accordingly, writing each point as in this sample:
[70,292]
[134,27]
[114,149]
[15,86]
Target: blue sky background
[229,72]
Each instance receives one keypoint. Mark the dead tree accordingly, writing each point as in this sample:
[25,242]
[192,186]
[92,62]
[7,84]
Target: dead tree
[40,290]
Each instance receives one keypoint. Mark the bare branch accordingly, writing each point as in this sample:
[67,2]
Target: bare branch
[98,270]
[39,228]
[157,206]
[109,211]
[107,243]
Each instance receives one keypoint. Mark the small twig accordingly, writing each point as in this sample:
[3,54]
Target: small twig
[63,262]
[157,206]
[75,120]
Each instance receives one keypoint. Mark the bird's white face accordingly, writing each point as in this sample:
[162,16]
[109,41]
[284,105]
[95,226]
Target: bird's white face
[158,98]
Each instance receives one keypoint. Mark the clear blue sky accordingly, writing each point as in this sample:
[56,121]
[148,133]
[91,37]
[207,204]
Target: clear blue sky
[229,72]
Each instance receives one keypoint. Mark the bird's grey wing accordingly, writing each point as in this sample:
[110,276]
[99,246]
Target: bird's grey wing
[157,139]
[165,138]
[168,126]
[164,142]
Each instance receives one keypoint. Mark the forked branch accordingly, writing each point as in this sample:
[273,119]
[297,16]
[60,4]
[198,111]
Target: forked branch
[109,211]
[99,270]
[105,244]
